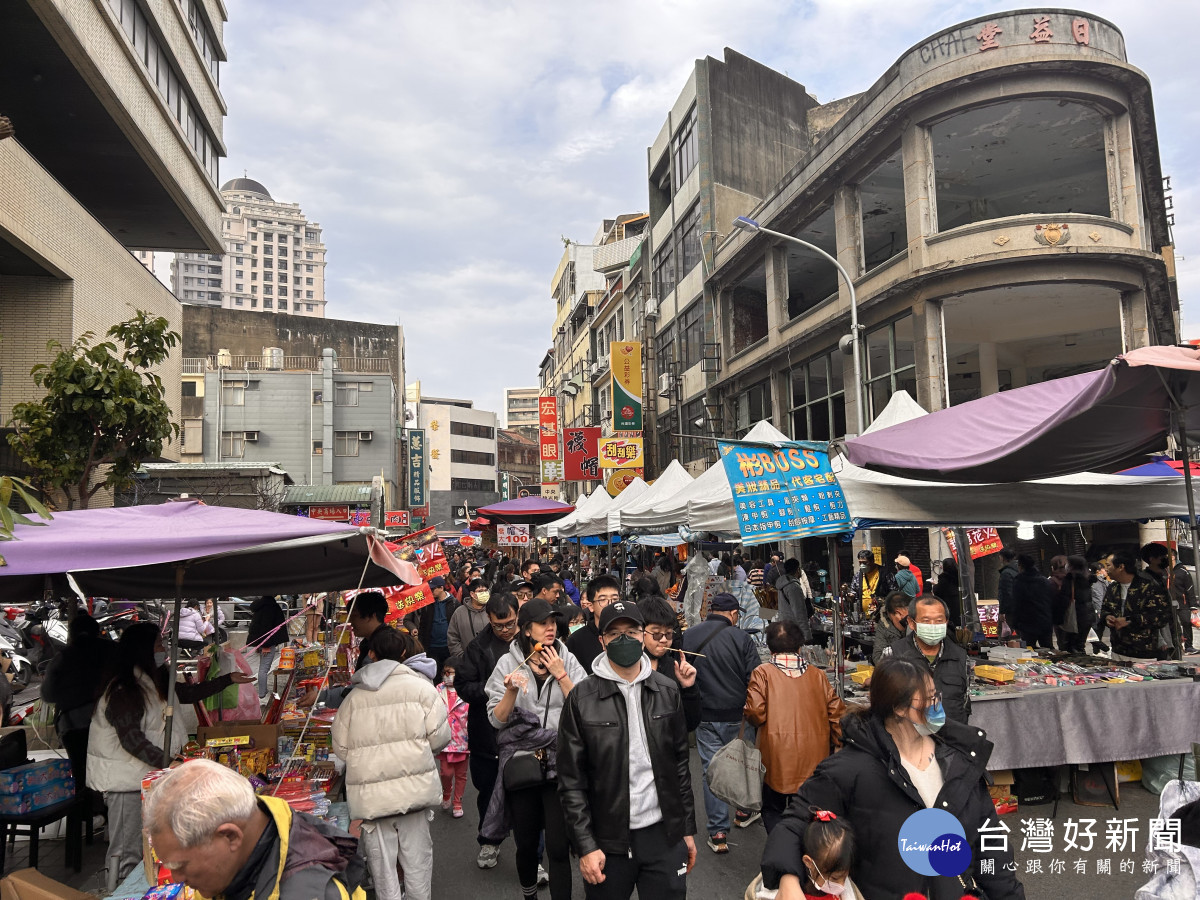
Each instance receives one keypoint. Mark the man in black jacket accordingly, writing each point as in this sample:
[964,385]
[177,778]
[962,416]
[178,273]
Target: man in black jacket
[946,660]
[1004,592]
[626,791]
[479,660]
[727,660]
[432,625]
[584,643]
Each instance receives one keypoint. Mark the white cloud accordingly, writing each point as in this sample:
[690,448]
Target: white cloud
[445,147]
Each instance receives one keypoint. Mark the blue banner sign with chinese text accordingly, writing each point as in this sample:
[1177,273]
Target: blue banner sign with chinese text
[785,491]
[417,473]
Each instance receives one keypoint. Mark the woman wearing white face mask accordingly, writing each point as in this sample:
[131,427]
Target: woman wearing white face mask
[125,740]
[899,756]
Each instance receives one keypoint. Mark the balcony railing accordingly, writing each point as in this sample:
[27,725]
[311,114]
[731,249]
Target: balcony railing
[362,365]
[610,257]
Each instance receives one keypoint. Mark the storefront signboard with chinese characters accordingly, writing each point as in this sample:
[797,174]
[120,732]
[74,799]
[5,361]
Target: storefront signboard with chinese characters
[784,491]
[581,461]
[984,541]
[395,518]
[620,452]
[416,468]
[548,439]
[512,535]
[330,513]
[626,363]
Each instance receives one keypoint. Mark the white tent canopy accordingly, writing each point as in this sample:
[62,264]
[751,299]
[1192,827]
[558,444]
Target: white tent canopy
[876,499]
[597,522]
[674,479]
[900,408]
[711,486]
[595,503]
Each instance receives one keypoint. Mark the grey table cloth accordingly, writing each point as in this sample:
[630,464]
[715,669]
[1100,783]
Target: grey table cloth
[1092,724]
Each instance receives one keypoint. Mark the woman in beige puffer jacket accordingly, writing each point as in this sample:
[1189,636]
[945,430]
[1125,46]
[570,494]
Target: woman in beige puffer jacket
[389,730]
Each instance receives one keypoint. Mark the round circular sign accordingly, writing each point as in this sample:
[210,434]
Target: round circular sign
[466,541]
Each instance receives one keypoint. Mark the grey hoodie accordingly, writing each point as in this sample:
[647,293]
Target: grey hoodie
[644,809]
[422,665]
[546,703]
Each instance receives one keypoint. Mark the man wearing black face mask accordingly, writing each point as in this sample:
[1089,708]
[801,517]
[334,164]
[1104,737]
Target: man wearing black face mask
[626,791]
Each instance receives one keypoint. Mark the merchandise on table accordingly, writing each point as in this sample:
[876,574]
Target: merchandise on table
[22,779]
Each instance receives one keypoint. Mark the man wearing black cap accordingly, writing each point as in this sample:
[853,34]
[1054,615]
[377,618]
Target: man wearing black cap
[523,591]
[469,619]
[727,658]
[626,790]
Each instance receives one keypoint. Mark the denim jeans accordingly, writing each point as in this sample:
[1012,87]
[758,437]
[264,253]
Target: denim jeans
[711,737]
[265,657]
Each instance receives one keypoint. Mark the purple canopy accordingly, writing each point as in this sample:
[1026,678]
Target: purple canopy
[134,552]
[1083,423]
[527,509]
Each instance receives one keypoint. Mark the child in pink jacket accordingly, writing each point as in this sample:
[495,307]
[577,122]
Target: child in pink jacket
[453,760]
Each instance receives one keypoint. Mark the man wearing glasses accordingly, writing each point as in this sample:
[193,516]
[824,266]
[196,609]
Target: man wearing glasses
[479,660]
[585,644]
[623,772]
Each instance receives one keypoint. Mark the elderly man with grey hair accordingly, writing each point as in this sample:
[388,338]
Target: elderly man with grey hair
[207,826]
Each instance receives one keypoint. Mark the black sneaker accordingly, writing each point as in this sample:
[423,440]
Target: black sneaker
[742,819]
[717,843]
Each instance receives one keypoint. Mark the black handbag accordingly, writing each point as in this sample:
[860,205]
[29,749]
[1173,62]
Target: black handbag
[525,769]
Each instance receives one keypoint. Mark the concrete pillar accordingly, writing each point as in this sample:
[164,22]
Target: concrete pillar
[989,371]
[1135,321]
[1020,376]
[929,348]
[847,227]
[847,220]
[919,197]
[777,292]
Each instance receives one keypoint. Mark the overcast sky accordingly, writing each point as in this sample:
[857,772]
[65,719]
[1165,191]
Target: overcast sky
[447,147]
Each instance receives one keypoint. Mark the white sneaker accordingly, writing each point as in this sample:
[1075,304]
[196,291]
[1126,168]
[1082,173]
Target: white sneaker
[489,855]
[543,877]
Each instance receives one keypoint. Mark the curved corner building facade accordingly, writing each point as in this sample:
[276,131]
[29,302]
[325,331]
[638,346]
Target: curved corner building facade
[996,197]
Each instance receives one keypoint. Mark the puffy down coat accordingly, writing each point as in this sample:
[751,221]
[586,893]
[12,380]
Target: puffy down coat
[389,730]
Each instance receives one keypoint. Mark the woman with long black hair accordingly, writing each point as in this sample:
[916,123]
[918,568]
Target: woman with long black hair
[127,733]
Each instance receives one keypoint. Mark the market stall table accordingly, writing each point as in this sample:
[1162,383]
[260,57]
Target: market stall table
[1089,724]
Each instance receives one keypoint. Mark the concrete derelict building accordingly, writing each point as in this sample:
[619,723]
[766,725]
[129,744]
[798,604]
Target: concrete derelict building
[996,196]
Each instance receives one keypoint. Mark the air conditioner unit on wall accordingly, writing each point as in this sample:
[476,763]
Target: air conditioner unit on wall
[596,367]
[666,384]
[251,437]
[366,435]
[651,307]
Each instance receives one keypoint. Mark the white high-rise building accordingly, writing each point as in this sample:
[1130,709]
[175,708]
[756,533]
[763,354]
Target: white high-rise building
[274,259]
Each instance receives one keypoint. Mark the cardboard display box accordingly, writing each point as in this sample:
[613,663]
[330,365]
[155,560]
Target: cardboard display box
[262,735]
[30,884]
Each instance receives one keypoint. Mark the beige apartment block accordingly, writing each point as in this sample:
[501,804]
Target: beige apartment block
[117,117]
[274,260]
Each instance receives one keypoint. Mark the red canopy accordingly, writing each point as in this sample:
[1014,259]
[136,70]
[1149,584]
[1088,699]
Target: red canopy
[531,510]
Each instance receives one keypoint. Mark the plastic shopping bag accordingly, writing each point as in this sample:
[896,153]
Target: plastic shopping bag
[238,702]
[735,774]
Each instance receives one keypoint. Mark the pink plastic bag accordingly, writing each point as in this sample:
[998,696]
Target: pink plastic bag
[247,707]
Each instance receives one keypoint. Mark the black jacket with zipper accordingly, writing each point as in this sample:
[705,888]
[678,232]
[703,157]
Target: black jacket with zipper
[867,784]
[593,763]
[479,659]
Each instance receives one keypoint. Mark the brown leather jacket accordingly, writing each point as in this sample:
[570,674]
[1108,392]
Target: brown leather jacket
[798,721]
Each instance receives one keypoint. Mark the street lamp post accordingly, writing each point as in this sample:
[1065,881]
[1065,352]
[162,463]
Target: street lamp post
[749,225]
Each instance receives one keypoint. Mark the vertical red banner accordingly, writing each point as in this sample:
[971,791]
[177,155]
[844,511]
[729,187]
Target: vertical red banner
[548,440]
[581,461]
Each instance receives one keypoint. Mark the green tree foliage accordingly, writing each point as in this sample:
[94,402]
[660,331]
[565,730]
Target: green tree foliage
[9,517]
[103,408]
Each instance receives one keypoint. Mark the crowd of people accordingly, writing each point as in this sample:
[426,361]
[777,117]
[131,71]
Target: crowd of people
[570,712]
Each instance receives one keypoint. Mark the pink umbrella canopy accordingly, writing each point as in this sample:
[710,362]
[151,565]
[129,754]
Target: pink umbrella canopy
[135,553]
[531,510]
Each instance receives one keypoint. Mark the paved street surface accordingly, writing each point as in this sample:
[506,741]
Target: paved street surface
[456,876]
